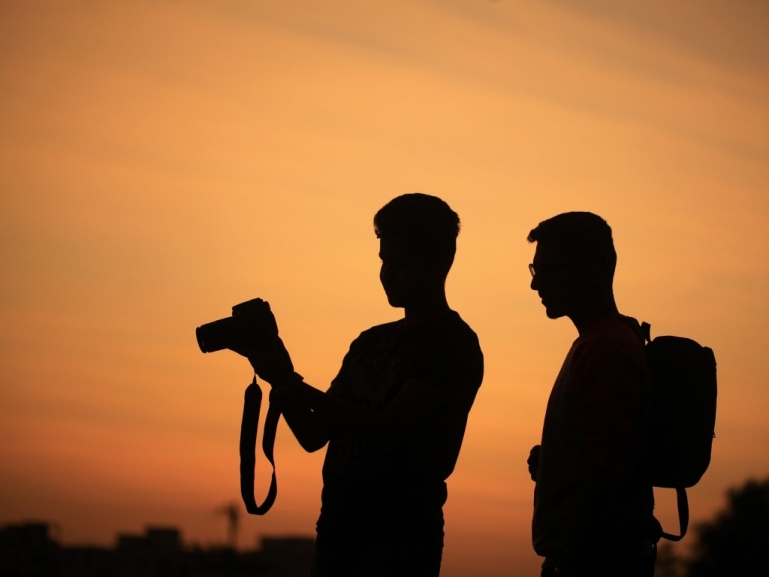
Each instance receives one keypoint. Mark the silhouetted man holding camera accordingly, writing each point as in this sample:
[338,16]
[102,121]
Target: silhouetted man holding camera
[395,415]
[592,502]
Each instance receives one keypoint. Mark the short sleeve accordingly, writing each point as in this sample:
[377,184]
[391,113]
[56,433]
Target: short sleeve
[340,385]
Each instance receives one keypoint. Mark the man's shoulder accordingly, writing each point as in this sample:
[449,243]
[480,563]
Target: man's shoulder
[611,337]
[456,327]
[383,329]
[446,352]
[616,330]
[455,342]
[378,332]
[449,332]
[457,323]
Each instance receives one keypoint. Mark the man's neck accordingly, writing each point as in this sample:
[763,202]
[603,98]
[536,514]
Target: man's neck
[593,312]
[427,309]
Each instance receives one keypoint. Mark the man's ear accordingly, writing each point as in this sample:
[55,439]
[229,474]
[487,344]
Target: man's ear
[591,274]
[438,265]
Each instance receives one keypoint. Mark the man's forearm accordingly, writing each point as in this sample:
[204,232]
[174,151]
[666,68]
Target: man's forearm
[415,406]
[341,416]
[312,414]
[308,427]
[338,414]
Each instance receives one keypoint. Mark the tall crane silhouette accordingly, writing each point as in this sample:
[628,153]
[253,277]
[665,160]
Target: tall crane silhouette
[232,512]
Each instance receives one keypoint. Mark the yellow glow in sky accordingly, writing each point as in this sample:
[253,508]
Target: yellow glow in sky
[161,161]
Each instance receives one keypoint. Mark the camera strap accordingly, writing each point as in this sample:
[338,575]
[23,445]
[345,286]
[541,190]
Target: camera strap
[248,430]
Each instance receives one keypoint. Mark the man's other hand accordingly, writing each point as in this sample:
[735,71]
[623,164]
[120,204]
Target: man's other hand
[533,461]
[272,363]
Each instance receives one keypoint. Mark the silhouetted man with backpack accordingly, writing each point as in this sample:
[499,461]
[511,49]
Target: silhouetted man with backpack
[395,415]
[592,502]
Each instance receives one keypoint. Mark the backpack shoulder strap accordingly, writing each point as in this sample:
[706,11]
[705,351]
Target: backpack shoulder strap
[646,329]
[641,330]
[248,431]
[683,515]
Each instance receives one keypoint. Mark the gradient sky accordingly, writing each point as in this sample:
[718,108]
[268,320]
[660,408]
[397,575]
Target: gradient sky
[161,161]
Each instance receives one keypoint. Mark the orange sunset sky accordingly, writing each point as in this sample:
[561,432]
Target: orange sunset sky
[163,160]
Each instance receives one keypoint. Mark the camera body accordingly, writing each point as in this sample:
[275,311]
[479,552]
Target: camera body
[251,322]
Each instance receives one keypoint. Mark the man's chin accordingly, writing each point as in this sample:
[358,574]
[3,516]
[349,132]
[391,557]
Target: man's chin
[553,313]
[395,302]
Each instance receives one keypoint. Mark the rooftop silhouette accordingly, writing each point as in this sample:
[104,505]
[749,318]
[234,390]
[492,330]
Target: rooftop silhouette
[28,549]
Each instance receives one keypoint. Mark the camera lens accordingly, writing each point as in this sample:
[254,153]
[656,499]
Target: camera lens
[217,335]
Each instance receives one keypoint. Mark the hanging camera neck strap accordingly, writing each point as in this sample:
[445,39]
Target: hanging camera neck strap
[248,431]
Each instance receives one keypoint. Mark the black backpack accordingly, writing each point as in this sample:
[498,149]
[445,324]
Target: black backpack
[682,418]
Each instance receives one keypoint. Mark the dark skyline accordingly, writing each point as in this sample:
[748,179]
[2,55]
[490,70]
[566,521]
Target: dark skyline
[31,549]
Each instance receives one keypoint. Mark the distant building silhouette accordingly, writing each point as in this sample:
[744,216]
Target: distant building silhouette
[292,555]
[28,550]
[156,554]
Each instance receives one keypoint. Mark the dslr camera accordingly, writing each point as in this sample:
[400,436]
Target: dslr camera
[251,323]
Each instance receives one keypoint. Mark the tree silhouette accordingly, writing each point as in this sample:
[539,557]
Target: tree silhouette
[736,542]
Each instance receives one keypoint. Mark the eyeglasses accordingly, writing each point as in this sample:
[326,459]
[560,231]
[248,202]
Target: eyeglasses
[535,269]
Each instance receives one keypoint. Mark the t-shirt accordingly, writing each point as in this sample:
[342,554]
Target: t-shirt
[595,418]
[366,485]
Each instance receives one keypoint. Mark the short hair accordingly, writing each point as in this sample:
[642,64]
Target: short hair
[582,235]
[426,221]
